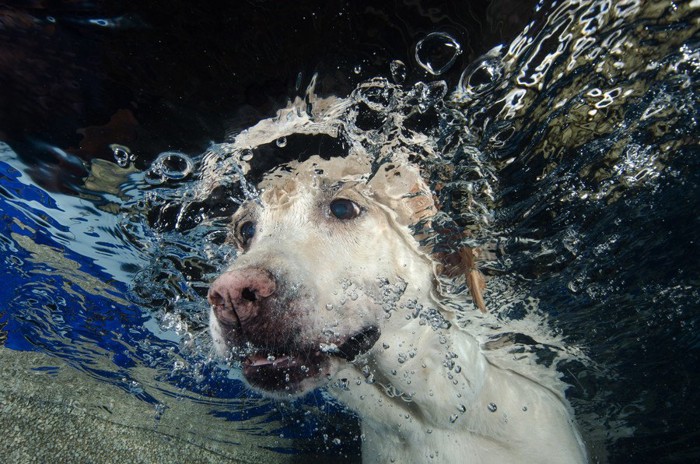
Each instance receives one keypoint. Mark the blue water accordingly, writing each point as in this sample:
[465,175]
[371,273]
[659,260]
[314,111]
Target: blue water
[69,273]
[58,300]
[592,197]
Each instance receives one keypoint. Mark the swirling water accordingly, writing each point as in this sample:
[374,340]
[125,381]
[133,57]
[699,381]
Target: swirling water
[571,153]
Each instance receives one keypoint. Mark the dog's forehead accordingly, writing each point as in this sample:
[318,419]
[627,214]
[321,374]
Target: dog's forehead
[291,179]
[396,185]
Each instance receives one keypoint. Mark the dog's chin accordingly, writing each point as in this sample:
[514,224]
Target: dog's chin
[301,371]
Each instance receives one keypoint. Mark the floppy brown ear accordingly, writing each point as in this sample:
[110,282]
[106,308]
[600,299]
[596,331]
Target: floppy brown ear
[402,188]
[475,279]
[463,263]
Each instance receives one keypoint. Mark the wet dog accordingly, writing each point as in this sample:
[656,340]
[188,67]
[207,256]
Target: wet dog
[333,288]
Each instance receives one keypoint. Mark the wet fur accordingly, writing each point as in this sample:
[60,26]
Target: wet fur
[424,391]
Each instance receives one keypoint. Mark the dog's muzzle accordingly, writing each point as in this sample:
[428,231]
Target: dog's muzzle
[272,357]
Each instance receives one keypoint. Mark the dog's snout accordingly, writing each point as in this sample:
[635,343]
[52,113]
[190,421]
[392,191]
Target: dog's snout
[238,295]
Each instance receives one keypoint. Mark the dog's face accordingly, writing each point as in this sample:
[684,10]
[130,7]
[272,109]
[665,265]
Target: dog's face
[325,257]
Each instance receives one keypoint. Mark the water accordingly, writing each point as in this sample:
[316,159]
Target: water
[570,152]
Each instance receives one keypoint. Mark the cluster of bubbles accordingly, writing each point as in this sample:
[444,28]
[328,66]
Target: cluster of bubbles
[122,155]
[169,166]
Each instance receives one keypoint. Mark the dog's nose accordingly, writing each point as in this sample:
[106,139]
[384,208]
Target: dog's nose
[238,295]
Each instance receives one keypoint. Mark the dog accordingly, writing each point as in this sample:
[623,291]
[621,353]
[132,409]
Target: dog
[333,288]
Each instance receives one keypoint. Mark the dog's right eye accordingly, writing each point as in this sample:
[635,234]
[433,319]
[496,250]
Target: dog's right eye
[345,209]
[247,231]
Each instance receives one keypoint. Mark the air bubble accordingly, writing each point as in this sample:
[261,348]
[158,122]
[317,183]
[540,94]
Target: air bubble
[398,71]
[437,52]
[101,22]
[122,154]
[159,410]
[247,155]
[482,75]
[134,387]
[281,142]
[170,165]
[343,384]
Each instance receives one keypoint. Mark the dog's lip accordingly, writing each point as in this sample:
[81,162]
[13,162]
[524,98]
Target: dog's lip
[285,371]
[359,343]
[276,362]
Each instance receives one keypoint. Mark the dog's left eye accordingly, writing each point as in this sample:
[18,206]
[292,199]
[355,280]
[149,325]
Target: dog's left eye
[344,209]
[247,231]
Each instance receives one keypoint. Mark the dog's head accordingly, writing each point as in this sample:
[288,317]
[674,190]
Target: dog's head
[325,256]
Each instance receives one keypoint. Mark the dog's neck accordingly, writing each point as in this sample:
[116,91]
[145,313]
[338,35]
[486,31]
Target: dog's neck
[428,394]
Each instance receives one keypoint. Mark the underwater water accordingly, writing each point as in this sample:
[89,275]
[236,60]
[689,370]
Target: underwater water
[570,151]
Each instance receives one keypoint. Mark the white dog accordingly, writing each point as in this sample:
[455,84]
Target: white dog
[331,288]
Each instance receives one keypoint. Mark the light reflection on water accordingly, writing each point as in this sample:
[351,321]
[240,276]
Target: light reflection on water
[571,151]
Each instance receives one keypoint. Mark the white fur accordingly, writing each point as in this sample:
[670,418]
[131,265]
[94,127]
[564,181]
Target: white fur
[425,392]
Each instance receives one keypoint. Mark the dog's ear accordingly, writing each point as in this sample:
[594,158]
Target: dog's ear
[475,279]
[401,188]
[462,263]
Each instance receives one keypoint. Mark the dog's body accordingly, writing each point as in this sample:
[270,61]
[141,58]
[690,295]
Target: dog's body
[332,289]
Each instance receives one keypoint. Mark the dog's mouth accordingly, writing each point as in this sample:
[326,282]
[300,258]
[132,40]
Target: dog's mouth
[285,372]
[302,370]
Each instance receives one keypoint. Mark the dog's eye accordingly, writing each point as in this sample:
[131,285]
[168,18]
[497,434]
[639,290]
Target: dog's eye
[345,209]
[247,231]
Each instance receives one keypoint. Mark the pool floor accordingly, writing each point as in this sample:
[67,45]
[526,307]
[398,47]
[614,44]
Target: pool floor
[64,415]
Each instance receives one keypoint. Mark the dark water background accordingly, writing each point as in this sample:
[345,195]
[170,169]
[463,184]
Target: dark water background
[585,122]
